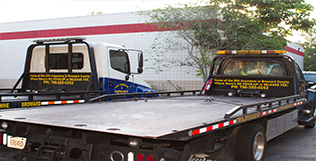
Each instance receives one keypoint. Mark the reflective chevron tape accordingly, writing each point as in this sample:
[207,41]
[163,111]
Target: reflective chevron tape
[212,127]
[62,102]
[267,112]
[241,119]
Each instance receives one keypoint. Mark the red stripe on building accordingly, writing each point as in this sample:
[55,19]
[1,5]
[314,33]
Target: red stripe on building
[294,51]
[81,31]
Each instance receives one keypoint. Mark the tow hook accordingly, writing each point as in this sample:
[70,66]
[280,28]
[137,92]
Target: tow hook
[209,99]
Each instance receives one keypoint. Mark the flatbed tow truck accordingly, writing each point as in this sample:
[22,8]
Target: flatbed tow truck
[70,70]
[250,97]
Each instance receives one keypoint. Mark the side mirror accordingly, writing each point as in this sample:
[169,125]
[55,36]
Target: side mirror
[140,60]
[139,70]
[140,63]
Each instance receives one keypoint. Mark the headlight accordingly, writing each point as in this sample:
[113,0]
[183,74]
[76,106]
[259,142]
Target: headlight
[4,125]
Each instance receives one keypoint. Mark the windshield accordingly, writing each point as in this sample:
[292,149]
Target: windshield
[255,67]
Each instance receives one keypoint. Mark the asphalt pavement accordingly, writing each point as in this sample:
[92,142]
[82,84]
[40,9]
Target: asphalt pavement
[298,144]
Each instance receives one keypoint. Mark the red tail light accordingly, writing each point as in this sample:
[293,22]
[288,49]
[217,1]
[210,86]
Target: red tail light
[140,157]
[150,158]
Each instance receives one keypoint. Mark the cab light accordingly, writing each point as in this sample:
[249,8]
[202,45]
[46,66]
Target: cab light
[255,51]
[270,51]
[221,52]
[264,51]
[150,158]
[252,52]
[243,52]
[279,51]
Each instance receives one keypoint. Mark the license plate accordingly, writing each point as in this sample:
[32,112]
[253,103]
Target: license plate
[16,142]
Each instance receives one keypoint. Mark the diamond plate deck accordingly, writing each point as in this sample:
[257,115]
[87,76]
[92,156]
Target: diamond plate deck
[153,118]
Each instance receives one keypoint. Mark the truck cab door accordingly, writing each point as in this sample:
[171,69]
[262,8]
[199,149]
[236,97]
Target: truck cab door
[301,83]
[119,71]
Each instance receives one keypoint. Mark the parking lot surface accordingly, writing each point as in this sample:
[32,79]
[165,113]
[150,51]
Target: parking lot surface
[298,144]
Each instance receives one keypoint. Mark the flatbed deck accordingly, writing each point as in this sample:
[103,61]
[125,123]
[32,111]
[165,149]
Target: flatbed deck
[150,118]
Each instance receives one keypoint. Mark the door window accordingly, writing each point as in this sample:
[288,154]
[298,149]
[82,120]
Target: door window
[119,61]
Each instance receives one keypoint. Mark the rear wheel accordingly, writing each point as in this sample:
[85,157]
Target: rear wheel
[250,143]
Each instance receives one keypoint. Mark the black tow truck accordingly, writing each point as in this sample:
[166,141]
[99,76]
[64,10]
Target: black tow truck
[250,97]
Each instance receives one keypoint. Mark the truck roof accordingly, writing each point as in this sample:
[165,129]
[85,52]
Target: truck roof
[153,118]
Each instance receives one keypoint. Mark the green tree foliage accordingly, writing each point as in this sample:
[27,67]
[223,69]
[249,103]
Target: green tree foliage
[225,25]
[274,18]
[95,13]
[310,50]
[190,30]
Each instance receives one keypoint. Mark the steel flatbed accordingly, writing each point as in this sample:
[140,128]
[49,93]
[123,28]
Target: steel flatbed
[150,118]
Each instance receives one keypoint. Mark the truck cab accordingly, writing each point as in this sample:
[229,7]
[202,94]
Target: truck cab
[266,73]
[74,65]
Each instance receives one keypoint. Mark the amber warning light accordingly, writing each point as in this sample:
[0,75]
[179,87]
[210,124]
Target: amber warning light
[251,52]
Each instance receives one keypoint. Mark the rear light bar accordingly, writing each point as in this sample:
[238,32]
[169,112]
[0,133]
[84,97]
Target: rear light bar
[251,52]
[140,157]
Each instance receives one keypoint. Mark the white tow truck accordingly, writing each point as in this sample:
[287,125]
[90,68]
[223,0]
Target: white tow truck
[69,70]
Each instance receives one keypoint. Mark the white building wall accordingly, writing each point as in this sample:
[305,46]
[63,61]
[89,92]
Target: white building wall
[13,51]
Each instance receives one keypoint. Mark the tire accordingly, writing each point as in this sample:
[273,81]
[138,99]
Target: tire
[250,143]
